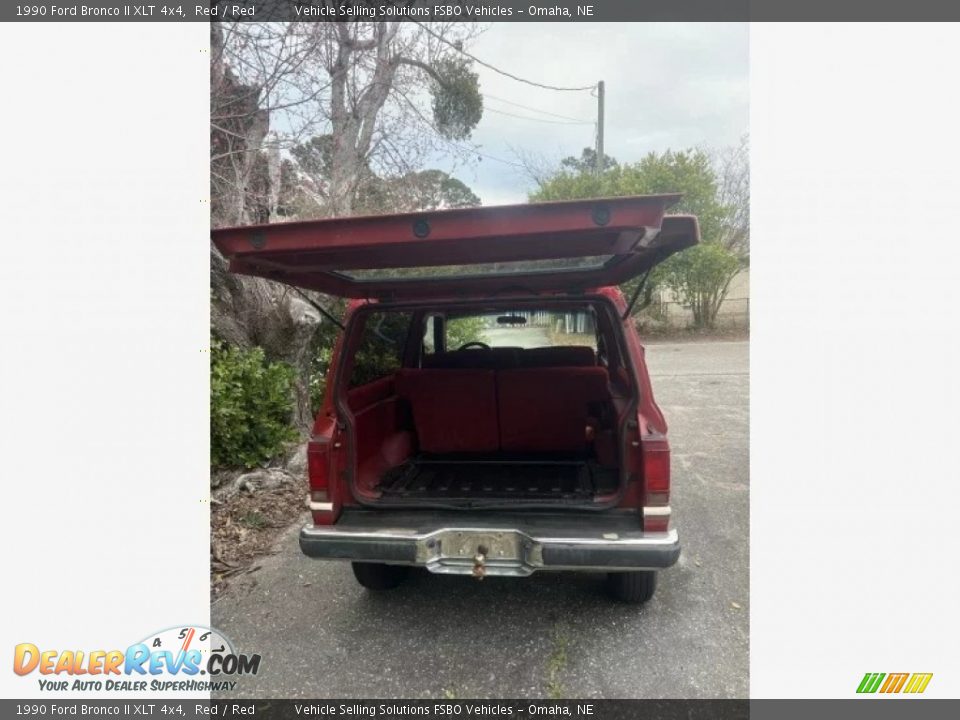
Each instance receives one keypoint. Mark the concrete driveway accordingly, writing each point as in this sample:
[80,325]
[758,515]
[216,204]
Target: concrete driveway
[322,635]
[521,336]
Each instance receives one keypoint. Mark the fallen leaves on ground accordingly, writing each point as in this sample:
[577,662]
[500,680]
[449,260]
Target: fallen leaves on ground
[245,527]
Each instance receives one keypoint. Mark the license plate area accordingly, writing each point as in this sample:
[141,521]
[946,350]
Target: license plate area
[478,552]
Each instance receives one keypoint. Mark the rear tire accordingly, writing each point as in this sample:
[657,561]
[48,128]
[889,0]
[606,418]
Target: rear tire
[632,587]
[377,576]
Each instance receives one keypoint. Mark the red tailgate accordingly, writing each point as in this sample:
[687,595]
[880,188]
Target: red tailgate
[531,248]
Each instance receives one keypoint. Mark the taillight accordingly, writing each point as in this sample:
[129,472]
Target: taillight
[322,505]
[656,483]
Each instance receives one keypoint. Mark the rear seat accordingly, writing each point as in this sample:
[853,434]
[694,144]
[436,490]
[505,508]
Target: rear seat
[453,410]
[558,356]
[493,359]
[505,399]
[548,409]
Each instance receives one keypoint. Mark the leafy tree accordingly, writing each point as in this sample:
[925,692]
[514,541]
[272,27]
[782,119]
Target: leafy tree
[688,172]
[314,165]
[428,190]
[699,278]
[587,162]
[314,156]
[457,102]
[413,191]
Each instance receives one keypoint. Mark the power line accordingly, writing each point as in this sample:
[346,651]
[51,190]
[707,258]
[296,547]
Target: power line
[451,143]
[536,119]
[487,65]
[537,110]
[467,149]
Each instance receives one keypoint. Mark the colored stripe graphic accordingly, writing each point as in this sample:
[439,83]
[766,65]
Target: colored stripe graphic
[918,682]
[895,682]
[870,682]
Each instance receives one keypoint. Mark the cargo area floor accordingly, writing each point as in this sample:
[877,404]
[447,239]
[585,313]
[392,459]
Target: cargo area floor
[528,479]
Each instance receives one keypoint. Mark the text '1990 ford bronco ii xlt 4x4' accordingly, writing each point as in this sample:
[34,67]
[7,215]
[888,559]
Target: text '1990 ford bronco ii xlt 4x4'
[488,409]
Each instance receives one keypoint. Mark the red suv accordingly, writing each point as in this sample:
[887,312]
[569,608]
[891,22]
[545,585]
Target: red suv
[488,408]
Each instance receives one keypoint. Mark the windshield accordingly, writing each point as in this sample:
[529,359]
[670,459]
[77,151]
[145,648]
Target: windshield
[525,329]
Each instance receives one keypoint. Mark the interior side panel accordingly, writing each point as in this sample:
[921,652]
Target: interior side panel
[382,437]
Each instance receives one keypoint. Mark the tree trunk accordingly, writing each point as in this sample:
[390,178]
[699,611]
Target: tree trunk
[274,178]
[353,120]
[247,311]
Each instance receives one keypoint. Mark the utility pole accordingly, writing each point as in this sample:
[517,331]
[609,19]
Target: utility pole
[600,127]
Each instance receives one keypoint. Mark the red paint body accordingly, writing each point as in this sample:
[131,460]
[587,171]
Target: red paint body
[630,235]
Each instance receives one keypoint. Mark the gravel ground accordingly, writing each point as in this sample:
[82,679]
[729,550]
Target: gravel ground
[549,635]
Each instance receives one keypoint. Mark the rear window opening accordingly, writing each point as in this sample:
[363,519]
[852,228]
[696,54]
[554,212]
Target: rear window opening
[520,405]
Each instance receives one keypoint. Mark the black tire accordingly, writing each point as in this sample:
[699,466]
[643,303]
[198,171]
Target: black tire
[632,587]
[377,576]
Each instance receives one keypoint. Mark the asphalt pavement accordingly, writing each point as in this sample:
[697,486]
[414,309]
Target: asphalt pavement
[550,635]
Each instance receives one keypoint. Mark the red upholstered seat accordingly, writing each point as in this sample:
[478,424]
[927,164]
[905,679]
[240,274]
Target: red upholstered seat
[547,409]
[453,410]
[558,356]
[493,359]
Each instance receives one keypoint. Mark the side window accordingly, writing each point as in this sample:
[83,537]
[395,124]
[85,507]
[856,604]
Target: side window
[574,328]
[380,352]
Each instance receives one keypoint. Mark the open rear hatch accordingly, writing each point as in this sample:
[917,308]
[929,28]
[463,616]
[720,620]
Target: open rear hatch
[533,436]
[565,247]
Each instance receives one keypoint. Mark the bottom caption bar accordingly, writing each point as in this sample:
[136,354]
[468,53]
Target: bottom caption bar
[499,709]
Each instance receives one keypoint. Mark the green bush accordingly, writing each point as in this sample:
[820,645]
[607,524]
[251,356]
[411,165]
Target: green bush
[251,404]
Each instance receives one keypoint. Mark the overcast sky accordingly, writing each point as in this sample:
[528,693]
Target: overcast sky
[667,86]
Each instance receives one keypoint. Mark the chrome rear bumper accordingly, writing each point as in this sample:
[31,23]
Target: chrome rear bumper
[491,548]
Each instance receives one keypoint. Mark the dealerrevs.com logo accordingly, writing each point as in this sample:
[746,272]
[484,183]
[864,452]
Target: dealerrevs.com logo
[179,659]
[911,683]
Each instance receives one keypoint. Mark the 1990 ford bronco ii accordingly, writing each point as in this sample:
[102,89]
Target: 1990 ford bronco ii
[488,409]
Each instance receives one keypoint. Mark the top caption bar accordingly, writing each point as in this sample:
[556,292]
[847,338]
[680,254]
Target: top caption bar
[429,10]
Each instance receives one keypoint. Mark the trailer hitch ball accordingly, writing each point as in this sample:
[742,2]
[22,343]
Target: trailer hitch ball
[479,568]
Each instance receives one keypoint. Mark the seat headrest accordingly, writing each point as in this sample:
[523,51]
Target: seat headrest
[494,358]
[559,356]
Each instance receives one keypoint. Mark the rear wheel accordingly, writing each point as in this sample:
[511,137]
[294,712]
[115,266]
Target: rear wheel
[632,587]
[377,576]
